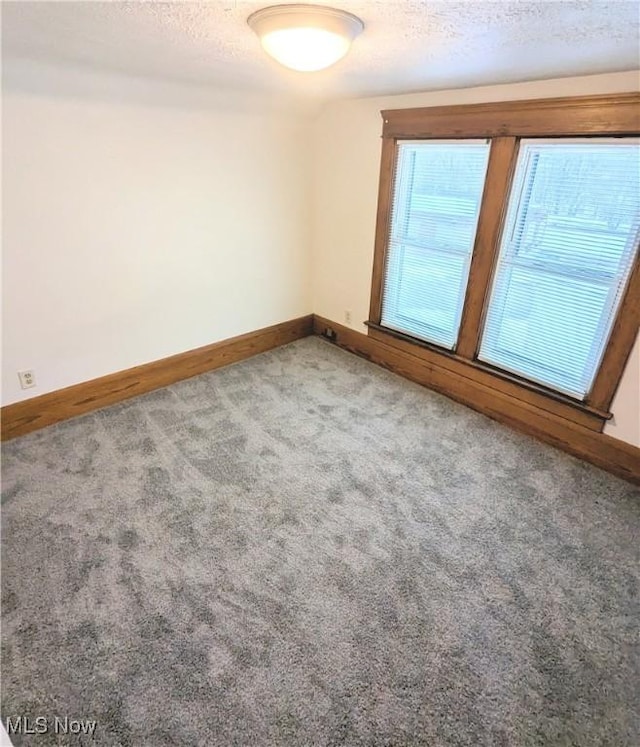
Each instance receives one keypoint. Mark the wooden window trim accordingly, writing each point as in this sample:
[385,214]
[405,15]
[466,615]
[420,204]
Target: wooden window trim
[501,381]
[505,123]
[502,162]
[591,116]
[607,452]
[623,335]
[383,223]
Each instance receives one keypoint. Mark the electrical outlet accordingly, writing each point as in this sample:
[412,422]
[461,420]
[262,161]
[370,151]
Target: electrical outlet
[347,316]
[27,379]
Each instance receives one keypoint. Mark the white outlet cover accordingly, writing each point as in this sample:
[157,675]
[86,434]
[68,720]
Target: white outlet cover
[27,379]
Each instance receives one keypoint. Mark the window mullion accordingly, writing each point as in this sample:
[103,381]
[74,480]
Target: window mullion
[502,159]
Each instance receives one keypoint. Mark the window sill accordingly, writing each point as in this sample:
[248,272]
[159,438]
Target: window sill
[488,380]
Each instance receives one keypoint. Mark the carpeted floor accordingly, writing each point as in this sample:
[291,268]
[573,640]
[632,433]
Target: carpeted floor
[304,549]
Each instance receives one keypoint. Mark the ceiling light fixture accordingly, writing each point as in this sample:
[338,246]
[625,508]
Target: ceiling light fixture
[305,37]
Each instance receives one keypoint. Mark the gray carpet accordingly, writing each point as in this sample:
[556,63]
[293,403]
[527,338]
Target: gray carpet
[304,549]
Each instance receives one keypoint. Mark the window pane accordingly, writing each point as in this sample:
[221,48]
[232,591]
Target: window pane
[438,188]
[569,243]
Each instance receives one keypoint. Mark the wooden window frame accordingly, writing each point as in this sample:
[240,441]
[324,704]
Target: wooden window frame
[506,124]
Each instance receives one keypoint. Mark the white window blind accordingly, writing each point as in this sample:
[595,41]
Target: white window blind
[568,245]
[436,201]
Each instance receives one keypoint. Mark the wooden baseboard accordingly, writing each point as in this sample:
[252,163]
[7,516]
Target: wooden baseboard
[47,409]
[609,453]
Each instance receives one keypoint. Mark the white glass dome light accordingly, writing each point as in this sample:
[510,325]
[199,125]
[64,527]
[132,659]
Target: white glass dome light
[305,37]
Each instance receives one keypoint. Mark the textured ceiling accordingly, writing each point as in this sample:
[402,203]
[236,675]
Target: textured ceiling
[407,45]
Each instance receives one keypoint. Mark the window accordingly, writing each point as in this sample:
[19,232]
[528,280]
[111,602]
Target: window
[570,240]
[438,188]
[507,248]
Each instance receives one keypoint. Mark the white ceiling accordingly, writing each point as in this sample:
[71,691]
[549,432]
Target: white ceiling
[407,45]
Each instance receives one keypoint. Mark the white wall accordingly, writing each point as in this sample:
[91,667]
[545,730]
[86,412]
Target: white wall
[143,219]
[626,404]
[346,171]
